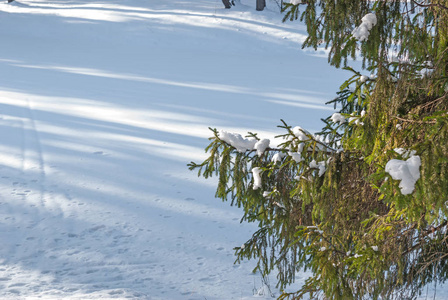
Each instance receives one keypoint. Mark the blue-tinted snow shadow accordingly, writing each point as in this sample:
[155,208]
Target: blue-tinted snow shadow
[131,173]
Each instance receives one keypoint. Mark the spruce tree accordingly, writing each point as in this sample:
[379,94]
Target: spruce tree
[363,204]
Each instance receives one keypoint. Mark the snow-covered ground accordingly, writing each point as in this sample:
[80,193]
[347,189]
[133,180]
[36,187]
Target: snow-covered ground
[102,105]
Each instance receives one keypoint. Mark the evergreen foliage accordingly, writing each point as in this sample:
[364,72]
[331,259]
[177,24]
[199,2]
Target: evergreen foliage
[327,203]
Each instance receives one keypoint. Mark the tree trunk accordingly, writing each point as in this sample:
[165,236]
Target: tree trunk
[227,3]
[261,4]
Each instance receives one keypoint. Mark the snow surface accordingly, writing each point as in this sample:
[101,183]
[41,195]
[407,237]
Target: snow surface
[102,105]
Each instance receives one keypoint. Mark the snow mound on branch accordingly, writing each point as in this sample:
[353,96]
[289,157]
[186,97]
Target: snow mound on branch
[318,165]
[257,178]
[241,144]
[338,118]
[300,133]
[261,146]
[237,141]
[407,171]
[363,78]
[296,156]
[362,32]
[405,153]
[278,157]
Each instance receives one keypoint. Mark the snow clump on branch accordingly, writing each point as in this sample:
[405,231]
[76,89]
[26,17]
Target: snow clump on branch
[257,178]
[362,32]
[363,78]
[278,157]
[407,171]
[261,146]
[237,141]
[242,145]
[301,133]
[338,118]
[319,165]
[296,156]
[405,153]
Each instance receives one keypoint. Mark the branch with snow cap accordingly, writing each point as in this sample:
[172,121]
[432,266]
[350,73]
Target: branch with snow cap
[237,141]
[362,32]
[303,136]
[242,144]
[339,118]
[321,166]
[407,171]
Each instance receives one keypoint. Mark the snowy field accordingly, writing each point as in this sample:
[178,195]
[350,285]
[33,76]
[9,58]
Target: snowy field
[102,105]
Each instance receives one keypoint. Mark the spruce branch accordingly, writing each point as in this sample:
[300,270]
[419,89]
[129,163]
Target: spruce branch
[415,121]
[430,5]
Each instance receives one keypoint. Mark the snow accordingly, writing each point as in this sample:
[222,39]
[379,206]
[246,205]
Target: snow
[301,133]
[362,32]
[242,145]
[356,120]
[102,105]
[257,178]
[408,172]
[296,156]
[261,146]
[405,153]
[363,78]
[321,166]
[277,157]
[237,141]
[338,118]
